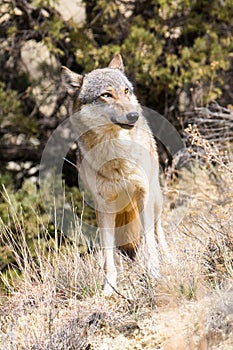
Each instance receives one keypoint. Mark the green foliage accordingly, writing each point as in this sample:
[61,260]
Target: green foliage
[19,214]
[11,112]
[26,218]
[53,29]
[168,46]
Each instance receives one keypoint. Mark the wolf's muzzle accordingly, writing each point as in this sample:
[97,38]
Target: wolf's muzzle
[132,117]
[129,121]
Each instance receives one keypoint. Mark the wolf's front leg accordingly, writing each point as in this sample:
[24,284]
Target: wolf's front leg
[107,235]
[150,245]
[164,249]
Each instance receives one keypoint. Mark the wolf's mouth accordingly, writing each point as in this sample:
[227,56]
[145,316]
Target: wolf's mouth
[125,126]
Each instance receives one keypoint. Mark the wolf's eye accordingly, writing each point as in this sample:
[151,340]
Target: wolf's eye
[126,91]
[106,95]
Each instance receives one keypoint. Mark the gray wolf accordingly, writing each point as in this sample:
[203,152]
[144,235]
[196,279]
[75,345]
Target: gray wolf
[119,164]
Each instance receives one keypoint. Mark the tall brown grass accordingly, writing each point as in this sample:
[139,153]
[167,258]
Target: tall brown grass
[53,298]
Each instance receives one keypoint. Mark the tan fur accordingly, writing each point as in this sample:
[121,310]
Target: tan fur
[128,228]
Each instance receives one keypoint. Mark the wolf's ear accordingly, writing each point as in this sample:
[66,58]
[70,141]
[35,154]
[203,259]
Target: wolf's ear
[117,63]
[71,80]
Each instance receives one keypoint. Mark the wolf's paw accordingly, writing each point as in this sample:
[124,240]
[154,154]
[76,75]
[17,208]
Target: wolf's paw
[155,273]
[107,290]
[109,287]
[153,270]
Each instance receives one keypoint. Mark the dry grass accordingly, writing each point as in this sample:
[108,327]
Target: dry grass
[56,302]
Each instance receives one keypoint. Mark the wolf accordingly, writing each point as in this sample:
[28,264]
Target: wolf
[118,163]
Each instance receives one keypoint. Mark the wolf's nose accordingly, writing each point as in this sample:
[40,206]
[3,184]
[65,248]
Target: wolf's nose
[132,117]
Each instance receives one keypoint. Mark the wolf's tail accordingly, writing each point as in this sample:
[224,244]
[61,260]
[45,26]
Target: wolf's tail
[128,229]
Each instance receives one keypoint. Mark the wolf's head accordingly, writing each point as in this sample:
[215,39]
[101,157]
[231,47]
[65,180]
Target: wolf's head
[103,96]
